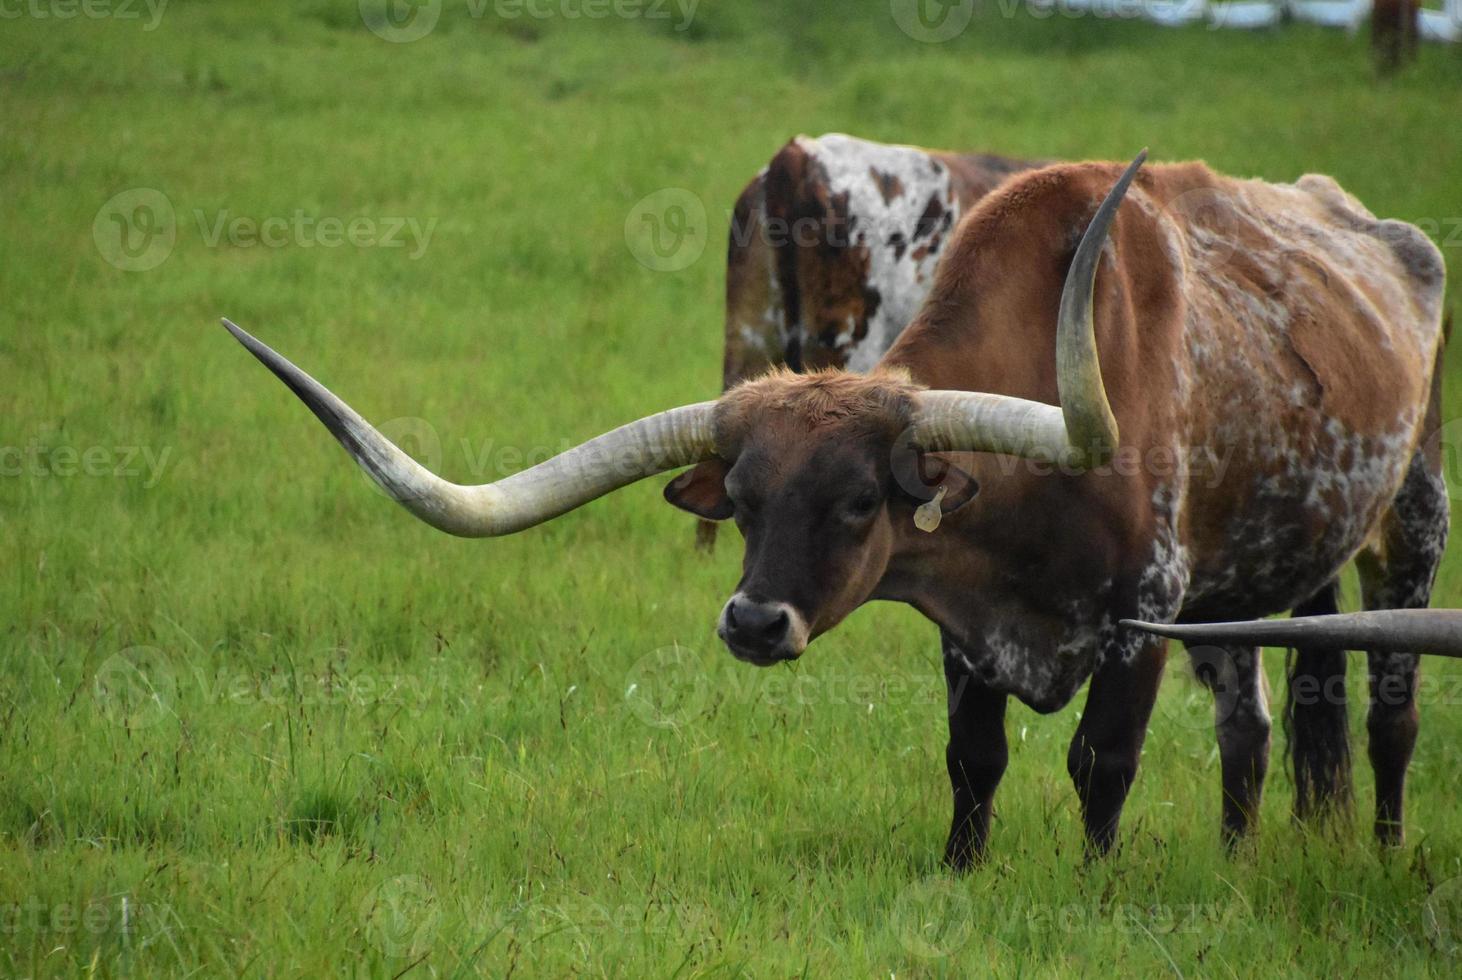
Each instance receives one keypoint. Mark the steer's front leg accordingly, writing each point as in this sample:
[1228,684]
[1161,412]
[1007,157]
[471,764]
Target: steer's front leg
[976,758]
[1108,743]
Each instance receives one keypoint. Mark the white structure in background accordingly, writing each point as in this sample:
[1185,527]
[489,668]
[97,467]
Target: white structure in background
[1245,14]
[1435,25]
[1443,25]
[1349,14]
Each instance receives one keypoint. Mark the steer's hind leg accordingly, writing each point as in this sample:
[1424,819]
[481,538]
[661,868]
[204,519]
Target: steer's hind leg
[1235,675]
[1397,573]
[976,758]
[1108,743]
[1316,721]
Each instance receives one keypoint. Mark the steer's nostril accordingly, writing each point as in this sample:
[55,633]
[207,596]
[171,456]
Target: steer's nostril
[762,620]
[758,631]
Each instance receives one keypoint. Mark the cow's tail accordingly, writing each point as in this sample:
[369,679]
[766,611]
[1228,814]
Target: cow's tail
[1316,722]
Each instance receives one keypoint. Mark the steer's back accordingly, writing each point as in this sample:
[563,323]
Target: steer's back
[1311,337]
[1268,350]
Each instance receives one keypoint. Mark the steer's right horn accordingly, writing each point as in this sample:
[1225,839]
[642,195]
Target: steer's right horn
[1432,631]
[667,441]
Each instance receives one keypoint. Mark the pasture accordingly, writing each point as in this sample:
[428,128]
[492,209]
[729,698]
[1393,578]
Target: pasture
[257,721]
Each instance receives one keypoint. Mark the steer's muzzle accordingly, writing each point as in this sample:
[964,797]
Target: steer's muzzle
[762,632]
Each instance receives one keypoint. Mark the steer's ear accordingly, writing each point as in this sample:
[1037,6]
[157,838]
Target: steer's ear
[702,490]
[929,474]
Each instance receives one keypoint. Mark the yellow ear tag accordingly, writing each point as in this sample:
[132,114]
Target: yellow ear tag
[928,516]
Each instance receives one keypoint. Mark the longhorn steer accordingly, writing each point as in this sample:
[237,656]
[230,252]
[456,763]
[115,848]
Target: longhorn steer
[1280,328]
[833,248]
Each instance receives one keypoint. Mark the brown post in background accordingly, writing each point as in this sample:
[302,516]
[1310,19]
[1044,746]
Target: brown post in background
[1394,32]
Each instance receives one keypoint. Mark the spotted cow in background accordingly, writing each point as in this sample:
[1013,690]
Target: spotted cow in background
[833,249]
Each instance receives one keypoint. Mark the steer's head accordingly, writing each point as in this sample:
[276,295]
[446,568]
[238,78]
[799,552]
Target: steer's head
[821,475]
[822,472]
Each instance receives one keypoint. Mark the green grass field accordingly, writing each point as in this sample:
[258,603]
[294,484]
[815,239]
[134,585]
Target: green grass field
[257,721]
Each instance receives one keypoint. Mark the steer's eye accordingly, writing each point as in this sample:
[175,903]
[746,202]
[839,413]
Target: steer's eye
[863,506]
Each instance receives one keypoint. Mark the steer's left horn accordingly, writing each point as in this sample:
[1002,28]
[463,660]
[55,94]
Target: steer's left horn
[1083,431]
[1431,631]
[654,444]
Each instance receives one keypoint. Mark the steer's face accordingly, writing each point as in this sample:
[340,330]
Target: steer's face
[818,474]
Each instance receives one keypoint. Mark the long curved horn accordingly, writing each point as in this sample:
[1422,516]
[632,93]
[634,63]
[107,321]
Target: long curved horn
[666,441]
[1430,631]
[1083,431]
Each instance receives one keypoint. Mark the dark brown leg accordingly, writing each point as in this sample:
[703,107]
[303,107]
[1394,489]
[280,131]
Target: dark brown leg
[1392,726]
[1317,724]
[975,756]
[1400,576]
[1104,754]
[1241,721]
